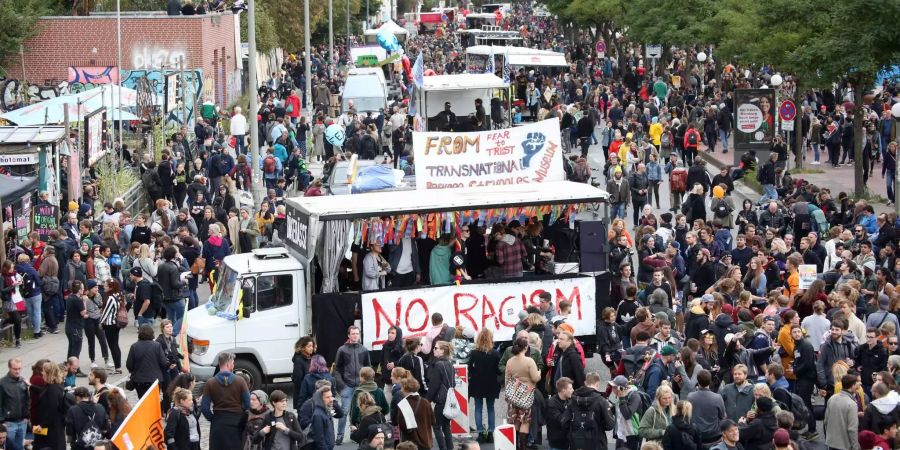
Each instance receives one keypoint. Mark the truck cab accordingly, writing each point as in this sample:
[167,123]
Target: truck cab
[257,311]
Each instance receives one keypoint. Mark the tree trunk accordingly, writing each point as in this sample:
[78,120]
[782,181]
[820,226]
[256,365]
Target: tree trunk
[858,136]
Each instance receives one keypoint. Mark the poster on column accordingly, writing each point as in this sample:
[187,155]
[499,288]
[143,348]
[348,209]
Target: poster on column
[754,119]
[474,306]
[527,154]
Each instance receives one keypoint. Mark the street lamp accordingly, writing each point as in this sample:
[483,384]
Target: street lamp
[775,81]
[701,58]
[895,111]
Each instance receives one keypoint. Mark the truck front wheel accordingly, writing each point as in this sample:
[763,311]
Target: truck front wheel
[249,370]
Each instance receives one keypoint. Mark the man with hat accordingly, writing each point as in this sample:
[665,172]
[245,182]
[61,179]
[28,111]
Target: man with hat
[627,401]
[782,439]
[877,318]
[375,438]
[446,119]
[660,369]
[143,293]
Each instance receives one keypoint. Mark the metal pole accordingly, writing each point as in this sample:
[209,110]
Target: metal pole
[257,189]
[119,68]
[897,167]
[330,33]
[306,69]
[367,14]
[347,44]
[184,97]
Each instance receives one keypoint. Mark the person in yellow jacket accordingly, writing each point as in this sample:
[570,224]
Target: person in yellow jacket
[655,132]
[264,219]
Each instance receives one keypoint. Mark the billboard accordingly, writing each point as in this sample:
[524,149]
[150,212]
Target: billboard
[94,138]
[754,120]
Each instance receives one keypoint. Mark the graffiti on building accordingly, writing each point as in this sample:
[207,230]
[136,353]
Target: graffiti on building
[97,75]
[148,57]
[11,90]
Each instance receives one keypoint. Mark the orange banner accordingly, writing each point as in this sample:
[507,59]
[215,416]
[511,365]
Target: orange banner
[144,425]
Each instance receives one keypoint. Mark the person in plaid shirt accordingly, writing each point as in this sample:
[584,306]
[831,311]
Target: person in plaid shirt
[510,253]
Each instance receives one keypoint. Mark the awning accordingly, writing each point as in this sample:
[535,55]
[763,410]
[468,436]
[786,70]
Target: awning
[79,105]
[12,189]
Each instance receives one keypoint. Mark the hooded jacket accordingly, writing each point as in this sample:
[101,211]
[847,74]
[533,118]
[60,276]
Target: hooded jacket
[308,388]
[722,326]
[682,435]
[77,419]
[231,392]
[696,322]
[321,431]
[881,412]
[424,415]
[585,396]
[758,434]
[439,265]
[569,365]
[377,394]
[830,353]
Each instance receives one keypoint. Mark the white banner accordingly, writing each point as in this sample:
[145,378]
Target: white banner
[527,154]
[474,306]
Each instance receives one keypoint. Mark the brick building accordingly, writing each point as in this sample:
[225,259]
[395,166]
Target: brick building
[83,50]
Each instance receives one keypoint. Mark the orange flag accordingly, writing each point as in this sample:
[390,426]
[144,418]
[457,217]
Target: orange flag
[144,424]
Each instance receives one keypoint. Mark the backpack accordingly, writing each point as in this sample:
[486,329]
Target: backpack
[666,140]
[50,285]
[29,285]
[121,312]
[678,180]
[692,138]
[89,434]
[222,164]
[797,407]
[646,401]
[583,428]
[722,209]
[269,164]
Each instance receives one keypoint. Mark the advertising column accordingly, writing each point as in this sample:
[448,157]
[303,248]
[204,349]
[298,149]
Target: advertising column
[754,122]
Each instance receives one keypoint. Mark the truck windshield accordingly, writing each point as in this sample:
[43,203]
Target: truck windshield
[224,293]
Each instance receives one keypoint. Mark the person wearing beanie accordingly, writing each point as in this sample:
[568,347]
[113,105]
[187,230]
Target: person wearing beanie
[758,433]
[868,440]
[256,417]
[660,369]
[722,206]
[781,439]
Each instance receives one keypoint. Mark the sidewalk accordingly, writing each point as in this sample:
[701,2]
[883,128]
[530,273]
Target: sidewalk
[837,180]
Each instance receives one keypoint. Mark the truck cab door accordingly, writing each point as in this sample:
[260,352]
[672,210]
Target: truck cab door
[271,319]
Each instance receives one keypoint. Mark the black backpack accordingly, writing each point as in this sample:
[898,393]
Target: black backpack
[797,407]
[721,209]
[583,428]
[29,285]
[692,138]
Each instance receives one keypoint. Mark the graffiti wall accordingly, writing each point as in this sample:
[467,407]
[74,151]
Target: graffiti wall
[82,79]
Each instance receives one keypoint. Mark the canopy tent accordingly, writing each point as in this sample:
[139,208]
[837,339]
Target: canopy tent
[391,26]
[12,189]
[79,105]
[441,200]
[521,56]
[460,90]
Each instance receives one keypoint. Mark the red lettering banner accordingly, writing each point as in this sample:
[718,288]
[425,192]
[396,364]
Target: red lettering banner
[474,306]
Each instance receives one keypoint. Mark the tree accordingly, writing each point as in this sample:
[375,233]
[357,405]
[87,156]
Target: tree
[600,18]
[817,42]
[266,35]
[19,19]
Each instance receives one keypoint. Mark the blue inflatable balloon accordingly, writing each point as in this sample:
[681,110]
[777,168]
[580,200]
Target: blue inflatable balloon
[334,134]
[388,40]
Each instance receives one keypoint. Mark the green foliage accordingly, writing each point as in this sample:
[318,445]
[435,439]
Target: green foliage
[669,22]
[19,18]
[266,34]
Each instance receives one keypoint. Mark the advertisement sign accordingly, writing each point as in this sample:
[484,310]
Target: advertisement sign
[807,274]
[474,306]
[754,118]
[297,230]
[93,135]
[528,154]
[171,92]
[45,219]
[19,159]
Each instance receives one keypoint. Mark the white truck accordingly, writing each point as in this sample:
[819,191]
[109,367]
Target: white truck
[265,300]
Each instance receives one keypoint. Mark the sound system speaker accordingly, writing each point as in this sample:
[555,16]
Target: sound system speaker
[593,246]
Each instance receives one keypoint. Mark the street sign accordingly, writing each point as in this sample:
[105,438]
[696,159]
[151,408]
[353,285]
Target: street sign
[787,111]
[601,48]
[654,51]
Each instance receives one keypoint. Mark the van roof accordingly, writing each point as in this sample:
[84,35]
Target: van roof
[421,201]
[263,260]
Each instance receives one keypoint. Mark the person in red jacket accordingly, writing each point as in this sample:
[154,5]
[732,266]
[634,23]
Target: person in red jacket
[292,106]
[692,142]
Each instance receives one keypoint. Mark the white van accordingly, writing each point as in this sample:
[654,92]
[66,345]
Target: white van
[366,88]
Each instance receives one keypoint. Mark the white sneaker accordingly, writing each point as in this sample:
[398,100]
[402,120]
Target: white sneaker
[109,364]
[94,365]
